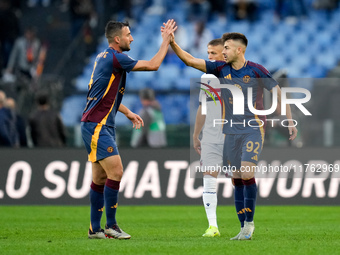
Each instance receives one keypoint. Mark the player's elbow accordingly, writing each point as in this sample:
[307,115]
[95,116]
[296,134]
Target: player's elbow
[153,66]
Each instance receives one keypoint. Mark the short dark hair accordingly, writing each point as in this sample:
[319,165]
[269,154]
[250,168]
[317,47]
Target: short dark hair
[42,98]
[216,42]
[147,94]
[114,28]
[236,37]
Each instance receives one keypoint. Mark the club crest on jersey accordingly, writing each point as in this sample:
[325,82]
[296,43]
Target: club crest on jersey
[246,78]
[110,149]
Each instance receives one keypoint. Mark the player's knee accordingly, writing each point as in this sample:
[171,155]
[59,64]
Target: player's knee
[119,173]
[247,175]
[116,174]
[100,180]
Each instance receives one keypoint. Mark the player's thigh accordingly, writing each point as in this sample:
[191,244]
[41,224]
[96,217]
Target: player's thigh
[113,167]
[232,152]
[98,174]
[251,151]
[211,158]
[251,147]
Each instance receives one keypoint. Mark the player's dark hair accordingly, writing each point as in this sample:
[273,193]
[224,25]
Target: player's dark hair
[216,42]
[236,37]
[114,28]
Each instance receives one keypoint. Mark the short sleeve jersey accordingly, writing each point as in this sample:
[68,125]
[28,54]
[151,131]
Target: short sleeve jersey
[106,87]
[250,75]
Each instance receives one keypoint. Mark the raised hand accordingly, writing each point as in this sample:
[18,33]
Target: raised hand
[168,30]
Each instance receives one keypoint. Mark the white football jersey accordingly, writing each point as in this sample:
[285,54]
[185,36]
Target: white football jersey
[210,133]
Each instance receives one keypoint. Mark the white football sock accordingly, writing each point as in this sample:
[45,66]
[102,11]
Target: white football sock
[210,198]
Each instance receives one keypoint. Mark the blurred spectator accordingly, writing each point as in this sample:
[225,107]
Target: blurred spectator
[19,121]
[25,54]
[244,9]
[115,7]
[202,37]
[82,12]
[33,3]
[219,7]
[326,4]
[290,9]
[47,129]
[153,133]
[9,31]
[198,10]
[8,134]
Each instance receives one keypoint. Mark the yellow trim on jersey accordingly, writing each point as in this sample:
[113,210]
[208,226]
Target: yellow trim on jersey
[107,89]
[110,83]
[94,143]
[107,115]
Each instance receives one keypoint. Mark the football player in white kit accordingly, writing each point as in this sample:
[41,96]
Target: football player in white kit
[210,147]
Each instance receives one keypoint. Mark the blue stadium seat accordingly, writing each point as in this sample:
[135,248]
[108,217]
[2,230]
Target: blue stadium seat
[167,75]
[133,83]
[132,102]
[82,83]
[192,73]
[144,77]
[72,109]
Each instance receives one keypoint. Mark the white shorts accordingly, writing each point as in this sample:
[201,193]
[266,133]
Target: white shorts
[211,155]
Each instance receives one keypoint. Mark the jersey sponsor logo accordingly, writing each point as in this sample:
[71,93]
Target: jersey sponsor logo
[228,77]
[110,149]
[122,90]
[246,78]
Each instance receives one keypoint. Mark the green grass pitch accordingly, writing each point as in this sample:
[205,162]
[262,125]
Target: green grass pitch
[170,230]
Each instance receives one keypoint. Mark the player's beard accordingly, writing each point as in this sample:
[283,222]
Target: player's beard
[125,47]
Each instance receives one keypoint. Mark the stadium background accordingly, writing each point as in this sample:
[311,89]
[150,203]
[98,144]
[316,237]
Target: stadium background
[300,49]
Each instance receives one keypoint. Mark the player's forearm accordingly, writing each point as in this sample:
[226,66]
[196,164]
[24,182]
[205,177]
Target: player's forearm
[123,109]
[199,123]
[157,60]
[289,115]
[288,110]
[183,55]
[188,59]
